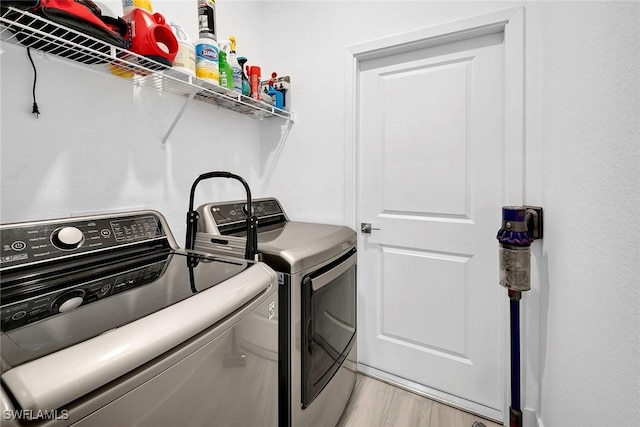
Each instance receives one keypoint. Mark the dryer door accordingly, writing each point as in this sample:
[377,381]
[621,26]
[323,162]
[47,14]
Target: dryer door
[329,316]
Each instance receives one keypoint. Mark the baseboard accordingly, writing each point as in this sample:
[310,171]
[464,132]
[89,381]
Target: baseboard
[530,418]
[437,395]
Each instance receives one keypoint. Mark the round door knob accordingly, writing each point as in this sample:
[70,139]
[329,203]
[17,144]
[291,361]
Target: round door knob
[67,238]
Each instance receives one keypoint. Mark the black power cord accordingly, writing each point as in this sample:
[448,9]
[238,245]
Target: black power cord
[34,110]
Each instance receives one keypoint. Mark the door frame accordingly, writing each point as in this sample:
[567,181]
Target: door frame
[511,21]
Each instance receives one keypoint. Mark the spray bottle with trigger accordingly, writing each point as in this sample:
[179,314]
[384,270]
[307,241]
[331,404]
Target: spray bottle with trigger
[246,87]
[226,72]
[275,94]
[235,66]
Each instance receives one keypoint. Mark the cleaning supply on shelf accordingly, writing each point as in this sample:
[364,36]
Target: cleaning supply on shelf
[185,60]
[129,5]
[207,19]
[150,36]
[47,35]
[235,66]
[246,87]
[207,45]
[276,95]
[226,72]
[254,81]
[282,85]
[207,60]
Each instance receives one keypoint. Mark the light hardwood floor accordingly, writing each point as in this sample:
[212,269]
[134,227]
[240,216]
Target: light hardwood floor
[376,404]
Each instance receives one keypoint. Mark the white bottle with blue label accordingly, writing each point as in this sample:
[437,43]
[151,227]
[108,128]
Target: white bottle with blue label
[207,60]
[207,45]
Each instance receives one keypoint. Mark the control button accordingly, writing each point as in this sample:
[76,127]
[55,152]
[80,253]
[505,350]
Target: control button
[105,232]
[70,304]
[18,245]
[19,315]
[68,301]
[67,238]
[232,212]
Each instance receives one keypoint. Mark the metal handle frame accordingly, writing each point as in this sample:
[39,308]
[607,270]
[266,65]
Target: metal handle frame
[251,249]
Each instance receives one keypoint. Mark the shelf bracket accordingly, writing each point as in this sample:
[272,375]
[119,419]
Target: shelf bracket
[178,117]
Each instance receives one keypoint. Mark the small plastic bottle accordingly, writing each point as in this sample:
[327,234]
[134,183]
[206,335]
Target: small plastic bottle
[246,87]
[254,81]
[276,95]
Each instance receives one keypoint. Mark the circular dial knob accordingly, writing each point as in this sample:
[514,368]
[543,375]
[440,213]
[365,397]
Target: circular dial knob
[68,301]
[245,209]
[67,238]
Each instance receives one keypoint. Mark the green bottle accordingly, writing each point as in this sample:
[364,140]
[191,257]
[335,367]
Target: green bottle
[226,72]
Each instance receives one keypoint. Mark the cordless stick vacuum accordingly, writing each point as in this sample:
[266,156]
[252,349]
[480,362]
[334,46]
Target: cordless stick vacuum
[520,225]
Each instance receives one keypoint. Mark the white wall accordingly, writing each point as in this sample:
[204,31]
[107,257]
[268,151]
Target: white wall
[96,145]
[590,360]
[583,162]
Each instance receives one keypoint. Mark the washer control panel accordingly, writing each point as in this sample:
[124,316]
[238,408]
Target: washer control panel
[26,243]
[31,310]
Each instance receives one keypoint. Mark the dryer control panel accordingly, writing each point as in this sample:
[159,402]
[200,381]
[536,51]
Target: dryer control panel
[229,218]
[35,242]
[225,213]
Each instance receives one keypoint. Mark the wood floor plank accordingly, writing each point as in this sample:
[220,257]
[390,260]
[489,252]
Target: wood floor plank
[408,409]
[378,404]
[369,404]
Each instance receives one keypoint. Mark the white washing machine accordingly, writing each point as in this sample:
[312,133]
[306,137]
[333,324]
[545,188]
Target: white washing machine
[106,322]
[316,265]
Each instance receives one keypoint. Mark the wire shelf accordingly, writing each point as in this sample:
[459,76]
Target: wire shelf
[24,28]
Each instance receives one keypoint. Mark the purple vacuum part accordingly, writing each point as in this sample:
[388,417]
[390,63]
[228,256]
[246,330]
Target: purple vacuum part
[514,238]
[514,231]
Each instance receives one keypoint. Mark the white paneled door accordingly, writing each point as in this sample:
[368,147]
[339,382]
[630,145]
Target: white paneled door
[431,170]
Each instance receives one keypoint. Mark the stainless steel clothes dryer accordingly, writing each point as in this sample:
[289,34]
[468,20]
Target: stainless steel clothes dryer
[316,265]
[106,322]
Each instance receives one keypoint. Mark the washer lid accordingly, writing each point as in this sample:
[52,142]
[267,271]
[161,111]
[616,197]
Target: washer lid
[56,379]
[298,246]
[74,307]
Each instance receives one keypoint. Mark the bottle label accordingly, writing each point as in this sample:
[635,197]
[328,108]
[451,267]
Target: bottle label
[254,81]
[185,57]
[207,18]
[237,79]
[208,52]
[207,62]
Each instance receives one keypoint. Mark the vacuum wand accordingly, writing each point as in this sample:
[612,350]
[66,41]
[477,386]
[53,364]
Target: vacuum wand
[251,249]
[519,225]
[515,411]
